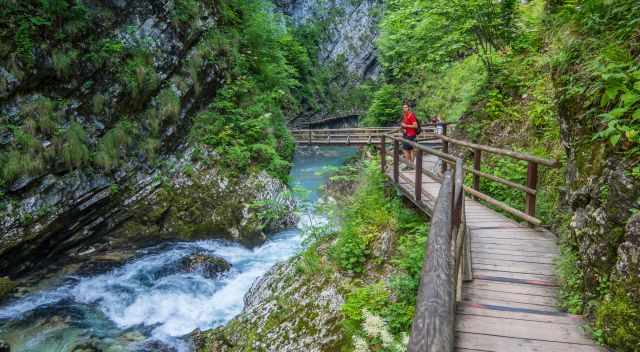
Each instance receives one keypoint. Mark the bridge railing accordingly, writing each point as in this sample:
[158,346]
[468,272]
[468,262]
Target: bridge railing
[448,260]
[530,189]
[352,136]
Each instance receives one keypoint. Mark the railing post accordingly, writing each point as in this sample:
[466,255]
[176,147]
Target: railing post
[532,182]
[396,161]
[418,181]
[309,137]
[383,155]
[477,161]
[445,147]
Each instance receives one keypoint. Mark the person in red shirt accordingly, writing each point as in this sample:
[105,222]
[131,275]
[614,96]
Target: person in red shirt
[409,127]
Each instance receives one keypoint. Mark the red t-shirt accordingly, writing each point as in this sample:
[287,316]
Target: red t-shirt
[409,118]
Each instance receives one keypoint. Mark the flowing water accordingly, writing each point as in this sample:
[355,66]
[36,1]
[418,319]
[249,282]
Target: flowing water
[148,305]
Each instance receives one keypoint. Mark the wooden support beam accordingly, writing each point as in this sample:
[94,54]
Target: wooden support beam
[418,181]
[477,161]
[532,182]
[396,160]
[383,155]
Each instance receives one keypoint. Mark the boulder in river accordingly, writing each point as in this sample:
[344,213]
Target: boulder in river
[210,266]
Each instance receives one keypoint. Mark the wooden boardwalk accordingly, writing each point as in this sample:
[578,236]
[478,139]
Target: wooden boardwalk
[511,303]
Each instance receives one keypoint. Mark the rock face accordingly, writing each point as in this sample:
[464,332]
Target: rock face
[602,194]
[352,30]
[188,201]
[140,59]
[209,266]
[284,311]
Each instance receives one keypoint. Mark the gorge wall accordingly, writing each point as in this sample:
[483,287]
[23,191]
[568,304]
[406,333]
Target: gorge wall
[98,102]
[351,31]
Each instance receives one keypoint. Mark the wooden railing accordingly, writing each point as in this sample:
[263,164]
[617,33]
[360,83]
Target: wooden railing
[438,133]
[530,189]
[351,136]
[448,259]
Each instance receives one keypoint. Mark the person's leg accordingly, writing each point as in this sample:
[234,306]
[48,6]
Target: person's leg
[407,154]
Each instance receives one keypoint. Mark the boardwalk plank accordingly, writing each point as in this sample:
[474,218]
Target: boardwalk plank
[502,311]
[523,329]
[511,303]
[484,342]
[473,292]
[513,287]
[540,279]
[505,258]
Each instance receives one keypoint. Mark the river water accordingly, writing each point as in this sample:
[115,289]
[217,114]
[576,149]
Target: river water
[147,305]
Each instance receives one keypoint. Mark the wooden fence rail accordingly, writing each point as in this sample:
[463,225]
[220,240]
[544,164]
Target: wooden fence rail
[448,260]
[530,189]
[437,134]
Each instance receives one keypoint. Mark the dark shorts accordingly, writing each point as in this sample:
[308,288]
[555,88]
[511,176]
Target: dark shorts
[407,146]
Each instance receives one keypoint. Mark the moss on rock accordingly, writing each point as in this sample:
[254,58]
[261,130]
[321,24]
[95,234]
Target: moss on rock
[6,287]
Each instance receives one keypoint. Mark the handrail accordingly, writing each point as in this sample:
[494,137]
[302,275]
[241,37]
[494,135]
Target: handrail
[506,152]
[375,135]
[448,260]
[529,189]
[433,323]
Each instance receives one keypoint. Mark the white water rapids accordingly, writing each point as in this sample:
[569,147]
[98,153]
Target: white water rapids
[147,305]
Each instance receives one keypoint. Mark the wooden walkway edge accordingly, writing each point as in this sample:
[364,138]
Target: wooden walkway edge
[511,303]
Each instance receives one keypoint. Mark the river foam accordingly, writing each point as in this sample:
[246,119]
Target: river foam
[149,297]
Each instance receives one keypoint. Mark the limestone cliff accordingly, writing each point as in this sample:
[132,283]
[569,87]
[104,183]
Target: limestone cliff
[351,30]
[97,100]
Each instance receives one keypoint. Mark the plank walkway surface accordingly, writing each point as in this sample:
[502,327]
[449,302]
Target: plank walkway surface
[511,303]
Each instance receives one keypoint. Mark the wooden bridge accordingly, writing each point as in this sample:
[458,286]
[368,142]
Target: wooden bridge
[488,281]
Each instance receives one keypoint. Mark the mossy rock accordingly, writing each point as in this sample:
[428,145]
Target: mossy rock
[6,287]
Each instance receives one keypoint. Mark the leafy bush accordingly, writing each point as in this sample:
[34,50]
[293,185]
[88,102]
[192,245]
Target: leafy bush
[373,298]
[386,107]
[185,11]
[618,320]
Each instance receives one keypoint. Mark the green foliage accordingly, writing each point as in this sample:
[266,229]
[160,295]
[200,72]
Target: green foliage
[435,33]
[17,163]
[62,62]
[168,105]
[6,286]
[571,281]
[373,297]
[608,86]
[386,107]
[139,77]
[245,122]
[618,320]
[24,43]
[185,11]
[41,116]
[450,93]
[367,214]
[75,151]
[112,147]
